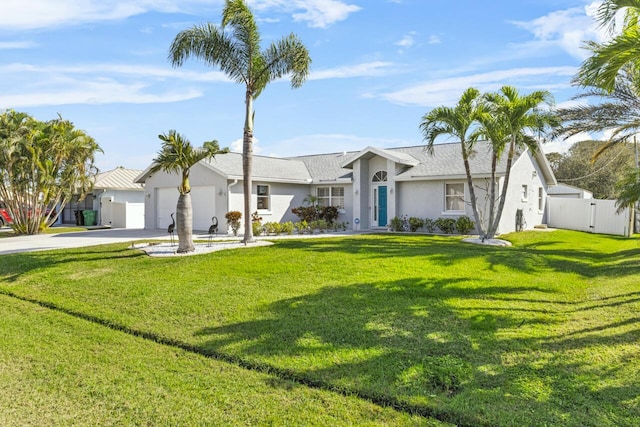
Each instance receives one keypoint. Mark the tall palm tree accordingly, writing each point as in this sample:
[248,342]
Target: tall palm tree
[458,122]
[519,119]
[237,53]
[177,155]
[622,49]
[619,113]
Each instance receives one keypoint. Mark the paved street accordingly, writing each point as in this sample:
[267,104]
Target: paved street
[78,239]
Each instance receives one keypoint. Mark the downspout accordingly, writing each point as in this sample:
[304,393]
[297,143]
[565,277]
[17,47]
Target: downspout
[235,181]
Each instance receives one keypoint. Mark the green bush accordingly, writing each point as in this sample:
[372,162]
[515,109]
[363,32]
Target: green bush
[257,228]
[446,225]
[464,225]
[396,224]
[430,225]
[287,227]
[415,223]
[273,228]
[301,226]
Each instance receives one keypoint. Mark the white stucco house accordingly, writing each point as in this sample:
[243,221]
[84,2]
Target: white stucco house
[370,186]
[118,201]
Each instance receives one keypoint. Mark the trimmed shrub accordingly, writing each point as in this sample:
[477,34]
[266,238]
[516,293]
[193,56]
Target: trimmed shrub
[301,226]
[415,223]
[396,224]
[464,225]
[446,225]
[430,225]
[287,227]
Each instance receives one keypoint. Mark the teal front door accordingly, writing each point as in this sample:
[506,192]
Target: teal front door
[382,206]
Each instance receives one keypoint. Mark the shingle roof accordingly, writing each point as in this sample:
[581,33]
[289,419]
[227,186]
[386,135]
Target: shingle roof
[264,168]
[446,160]
[118,179]
[327,167]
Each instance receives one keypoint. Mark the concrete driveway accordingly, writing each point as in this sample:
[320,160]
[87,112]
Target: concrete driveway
[41,242]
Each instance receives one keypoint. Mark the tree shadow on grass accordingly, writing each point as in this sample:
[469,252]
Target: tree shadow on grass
[402,340]
[12,266]
[530,258]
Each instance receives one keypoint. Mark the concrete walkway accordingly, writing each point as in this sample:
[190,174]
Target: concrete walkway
[41,242]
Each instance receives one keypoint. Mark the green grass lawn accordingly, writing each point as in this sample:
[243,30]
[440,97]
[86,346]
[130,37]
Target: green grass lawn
[542,333]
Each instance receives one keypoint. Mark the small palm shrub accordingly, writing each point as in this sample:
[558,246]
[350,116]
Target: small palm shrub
[257,228]
[464,225]
[446,225]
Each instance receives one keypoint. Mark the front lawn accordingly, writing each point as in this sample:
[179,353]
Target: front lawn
[544,332]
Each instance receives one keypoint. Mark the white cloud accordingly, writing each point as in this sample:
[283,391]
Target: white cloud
[367,69]
[434,40]
[121,69]
[316,13]
[447,91]
[566,29]
[16,45]
[102,91]
[563,145]
[407,40]
[236,146]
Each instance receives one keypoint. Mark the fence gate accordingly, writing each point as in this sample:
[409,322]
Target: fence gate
[590,215]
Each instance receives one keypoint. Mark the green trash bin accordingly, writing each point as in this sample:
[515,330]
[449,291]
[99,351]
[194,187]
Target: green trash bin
[89,217]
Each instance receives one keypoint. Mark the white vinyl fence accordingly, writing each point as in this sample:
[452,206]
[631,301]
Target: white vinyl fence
[590,215]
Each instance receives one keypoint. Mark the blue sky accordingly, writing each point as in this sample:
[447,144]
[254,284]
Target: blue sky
[378,66]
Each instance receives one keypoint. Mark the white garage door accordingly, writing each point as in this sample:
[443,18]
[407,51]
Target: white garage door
[203,200]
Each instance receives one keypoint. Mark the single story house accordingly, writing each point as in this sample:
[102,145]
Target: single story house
[570,191]
[369,187]
[116,199]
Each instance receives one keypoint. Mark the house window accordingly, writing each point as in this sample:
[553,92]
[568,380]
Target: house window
[263,197]
[330,196]
[540,198]
[454,197]
[525,190]
[380,176]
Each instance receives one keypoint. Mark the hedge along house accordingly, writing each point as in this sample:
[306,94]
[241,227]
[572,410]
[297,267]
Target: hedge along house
[369,187]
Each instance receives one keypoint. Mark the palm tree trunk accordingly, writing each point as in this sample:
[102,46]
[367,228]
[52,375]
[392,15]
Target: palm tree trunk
[503,194]
[247,163]
[472,192]
[492,191]
[184,224]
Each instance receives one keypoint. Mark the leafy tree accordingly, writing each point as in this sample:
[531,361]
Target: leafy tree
[237,53]
[459,122]
[42,164]
[623,49]
[629,192]
[600,175]
[515,120]
[177,155]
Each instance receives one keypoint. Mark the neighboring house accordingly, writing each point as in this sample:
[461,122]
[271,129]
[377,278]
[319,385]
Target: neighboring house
[369,187]
[116,198]
[566,190]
